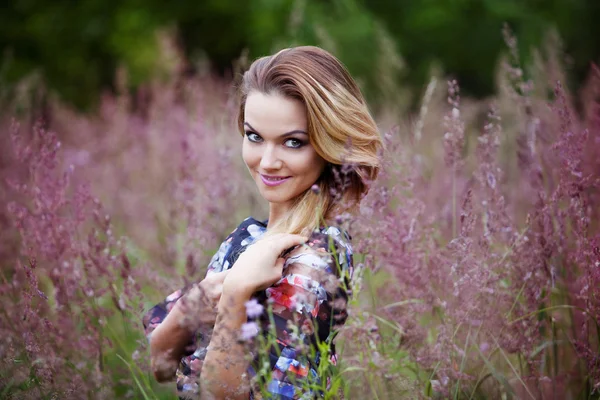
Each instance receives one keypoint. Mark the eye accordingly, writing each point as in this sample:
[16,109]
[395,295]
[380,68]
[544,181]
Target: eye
[253,137]
[294,143]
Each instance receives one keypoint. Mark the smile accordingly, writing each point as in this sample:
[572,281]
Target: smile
[273,180]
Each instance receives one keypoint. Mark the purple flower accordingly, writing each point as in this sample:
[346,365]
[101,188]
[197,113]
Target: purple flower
[253,308]
[249,331]
[484,347]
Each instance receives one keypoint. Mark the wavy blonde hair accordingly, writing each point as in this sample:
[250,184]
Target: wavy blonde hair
[340,128]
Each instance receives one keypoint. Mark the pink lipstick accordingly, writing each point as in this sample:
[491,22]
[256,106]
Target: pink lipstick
[273,180]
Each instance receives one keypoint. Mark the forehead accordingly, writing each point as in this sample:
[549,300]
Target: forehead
[274,114]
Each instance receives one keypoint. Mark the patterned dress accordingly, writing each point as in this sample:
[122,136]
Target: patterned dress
[307,306]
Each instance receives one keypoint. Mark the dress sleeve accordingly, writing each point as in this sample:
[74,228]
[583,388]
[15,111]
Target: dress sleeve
[158,313]
[316,282]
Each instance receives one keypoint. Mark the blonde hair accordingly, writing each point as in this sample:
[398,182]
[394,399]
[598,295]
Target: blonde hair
[340,129]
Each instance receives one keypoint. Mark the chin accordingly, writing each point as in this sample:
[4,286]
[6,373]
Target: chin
[272,198]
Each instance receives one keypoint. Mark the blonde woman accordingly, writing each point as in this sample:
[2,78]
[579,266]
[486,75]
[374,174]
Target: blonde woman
[312,148]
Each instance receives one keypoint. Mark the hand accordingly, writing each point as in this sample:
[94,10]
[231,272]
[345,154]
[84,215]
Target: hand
[200,302]
[260,265]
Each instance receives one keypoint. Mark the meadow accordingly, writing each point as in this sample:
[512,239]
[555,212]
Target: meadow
[477,249]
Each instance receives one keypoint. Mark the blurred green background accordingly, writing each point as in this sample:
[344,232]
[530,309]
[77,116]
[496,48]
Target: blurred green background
[75,47]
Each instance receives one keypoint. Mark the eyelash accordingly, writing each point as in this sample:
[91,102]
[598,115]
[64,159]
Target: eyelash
[250,135]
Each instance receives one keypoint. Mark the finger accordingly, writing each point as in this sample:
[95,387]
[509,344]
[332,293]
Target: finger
[220,276]
[279,264]
[218,291]
[285,242]
[278,237]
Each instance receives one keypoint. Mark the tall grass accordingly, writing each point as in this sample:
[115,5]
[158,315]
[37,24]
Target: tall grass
[478,248]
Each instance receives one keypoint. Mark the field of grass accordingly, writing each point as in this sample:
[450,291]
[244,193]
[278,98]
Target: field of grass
[477,249]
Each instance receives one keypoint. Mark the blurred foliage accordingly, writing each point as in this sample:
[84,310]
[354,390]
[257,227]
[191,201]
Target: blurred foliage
[77,46]
[464,35]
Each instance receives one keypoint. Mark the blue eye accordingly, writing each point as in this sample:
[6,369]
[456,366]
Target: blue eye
[253,136]
[294,143]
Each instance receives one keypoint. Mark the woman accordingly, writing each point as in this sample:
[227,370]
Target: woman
[312,148]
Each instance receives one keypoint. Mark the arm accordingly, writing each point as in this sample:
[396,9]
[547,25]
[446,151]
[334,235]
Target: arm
[223,374]
[225,365]
[171,337]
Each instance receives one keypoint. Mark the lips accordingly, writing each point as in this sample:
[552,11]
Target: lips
[271,180]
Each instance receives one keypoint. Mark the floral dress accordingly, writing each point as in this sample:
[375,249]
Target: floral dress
[306,305]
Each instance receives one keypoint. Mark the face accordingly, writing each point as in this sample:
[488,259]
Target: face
[276,148]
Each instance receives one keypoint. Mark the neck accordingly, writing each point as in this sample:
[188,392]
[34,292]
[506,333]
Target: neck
[276,212]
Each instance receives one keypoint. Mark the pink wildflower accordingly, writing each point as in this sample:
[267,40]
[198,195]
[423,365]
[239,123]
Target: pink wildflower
[253,308]
[249,331]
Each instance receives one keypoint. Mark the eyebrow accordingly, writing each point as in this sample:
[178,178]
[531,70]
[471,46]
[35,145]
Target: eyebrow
[290,133]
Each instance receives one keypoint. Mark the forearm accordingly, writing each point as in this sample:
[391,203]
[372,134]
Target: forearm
[225,364]
[169,340]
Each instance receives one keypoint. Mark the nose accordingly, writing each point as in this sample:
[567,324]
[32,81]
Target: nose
[270,159]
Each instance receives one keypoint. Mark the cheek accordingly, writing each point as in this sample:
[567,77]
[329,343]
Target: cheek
[312,165]
[248,155]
